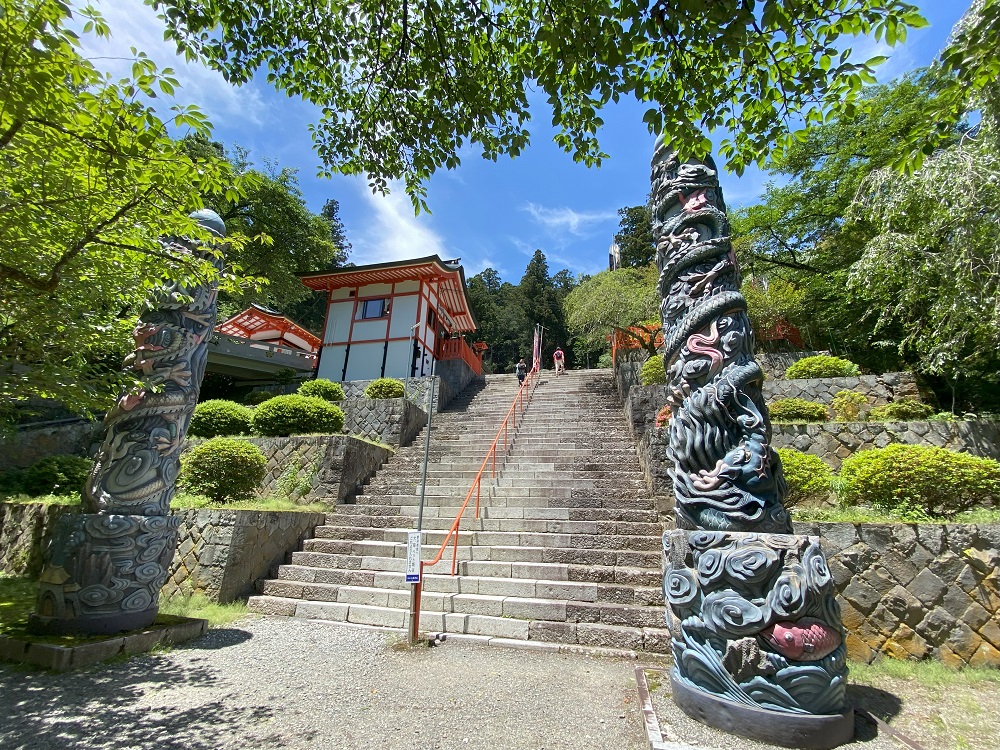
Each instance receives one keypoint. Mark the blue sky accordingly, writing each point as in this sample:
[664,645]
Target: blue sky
[489,214]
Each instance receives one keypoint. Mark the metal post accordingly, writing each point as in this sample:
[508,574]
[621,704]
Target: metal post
[417,587]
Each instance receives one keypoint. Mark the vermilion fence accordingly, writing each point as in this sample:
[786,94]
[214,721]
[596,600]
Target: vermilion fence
[458,349]
[627,340]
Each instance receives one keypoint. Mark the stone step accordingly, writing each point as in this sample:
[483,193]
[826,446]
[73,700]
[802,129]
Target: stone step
[586,535]
[579,499]
[559,602]
[640,578]
[375,555]
[488,512]
[347,526]
[651,639]
[298,582]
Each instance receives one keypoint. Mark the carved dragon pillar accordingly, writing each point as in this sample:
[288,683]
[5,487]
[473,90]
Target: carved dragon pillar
[756,631]
[106,565]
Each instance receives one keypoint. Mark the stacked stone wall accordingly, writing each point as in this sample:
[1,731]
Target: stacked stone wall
[29,445]
[25,533]
[317,468]
[223,553]
[878,389]
[832,442]
[835,441]
[917,591]
[392,421]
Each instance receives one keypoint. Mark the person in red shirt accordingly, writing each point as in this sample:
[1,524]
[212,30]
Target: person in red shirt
[560,360]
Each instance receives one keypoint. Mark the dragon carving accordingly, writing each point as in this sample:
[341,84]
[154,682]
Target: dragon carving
[106,565]
[750,605]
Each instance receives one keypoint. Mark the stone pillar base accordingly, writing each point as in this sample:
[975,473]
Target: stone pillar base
[805,731]
[103,573]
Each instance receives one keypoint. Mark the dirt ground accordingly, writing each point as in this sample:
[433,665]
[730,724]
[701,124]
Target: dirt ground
[934,712]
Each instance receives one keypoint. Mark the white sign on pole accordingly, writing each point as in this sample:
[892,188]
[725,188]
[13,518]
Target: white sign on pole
[413,557]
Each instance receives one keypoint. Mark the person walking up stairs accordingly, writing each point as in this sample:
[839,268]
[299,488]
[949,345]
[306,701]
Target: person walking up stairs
[566,551]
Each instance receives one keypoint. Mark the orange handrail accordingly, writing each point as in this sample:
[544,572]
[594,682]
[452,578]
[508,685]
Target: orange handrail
[509,424]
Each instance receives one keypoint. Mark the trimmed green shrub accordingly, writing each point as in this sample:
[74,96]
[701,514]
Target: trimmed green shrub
[935,481]
[219,417]
[652,372]
[904,410]
[297,415]
[255,398]
[322,388]
[797,410]
[846,406]
[809,479]
[223,469]
[822,366]
[385,388]
[56,475]
[605,362]
[943,416]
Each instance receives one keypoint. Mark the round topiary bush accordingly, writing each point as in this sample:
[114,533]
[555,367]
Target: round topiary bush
[57,475]
[846,406]
[822,366]
[935,481]
[652,372]
[797,410]
[809,479]
[219,417]
[322,388]
[297,415]
[385,388]
[904,410]
[223,469]
[255,398]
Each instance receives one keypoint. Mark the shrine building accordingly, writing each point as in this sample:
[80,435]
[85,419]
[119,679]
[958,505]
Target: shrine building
[394,320]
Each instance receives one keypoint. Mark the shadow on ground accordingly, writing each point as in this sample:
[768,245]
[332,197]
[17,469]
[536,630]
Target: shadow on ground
[99,706]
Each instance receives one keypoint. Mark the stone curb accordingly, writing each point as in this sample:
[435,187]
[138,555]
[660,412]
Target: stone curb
[62,658]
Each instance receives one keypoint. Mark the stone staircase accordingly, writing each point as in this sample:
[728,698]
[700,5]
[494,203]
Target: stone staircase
[566,549]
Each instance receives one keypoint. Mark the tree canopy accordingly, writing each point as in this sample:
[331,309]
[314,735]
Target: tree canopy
[622,299]
[90,181]
[404,86]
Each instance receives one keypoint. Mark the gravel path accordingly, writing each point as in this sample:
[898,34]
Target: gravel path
[281,683]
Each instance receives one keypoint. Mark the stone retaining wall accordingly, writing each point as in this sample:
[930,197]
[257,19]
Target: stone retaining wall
[878,389]
[835,441]
[319,468]
[30,445]
[220,553]
[916,591]
[223,553]
[642,402]
[25,533]
[393,421]
[831,441]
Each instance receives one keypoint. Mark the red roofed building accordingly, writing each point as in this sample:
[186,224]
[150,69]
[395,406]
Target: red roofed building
[394,319]
[270,327]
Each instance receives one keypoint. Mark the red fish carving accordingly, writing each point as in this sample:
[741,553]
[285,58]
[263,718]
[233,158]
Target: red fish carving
[807,639]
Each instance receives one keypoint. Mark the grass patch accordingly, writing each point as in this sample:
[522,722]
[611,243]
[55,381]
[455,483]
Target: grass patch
[200,606]
[924,673]
[185,501]
[17,601]
[863,514]
[21,499]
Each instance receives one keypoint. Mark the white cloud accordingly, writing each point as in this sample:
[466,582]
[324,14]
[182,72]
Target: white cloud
[134,24]
[578,223]
[394,233]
